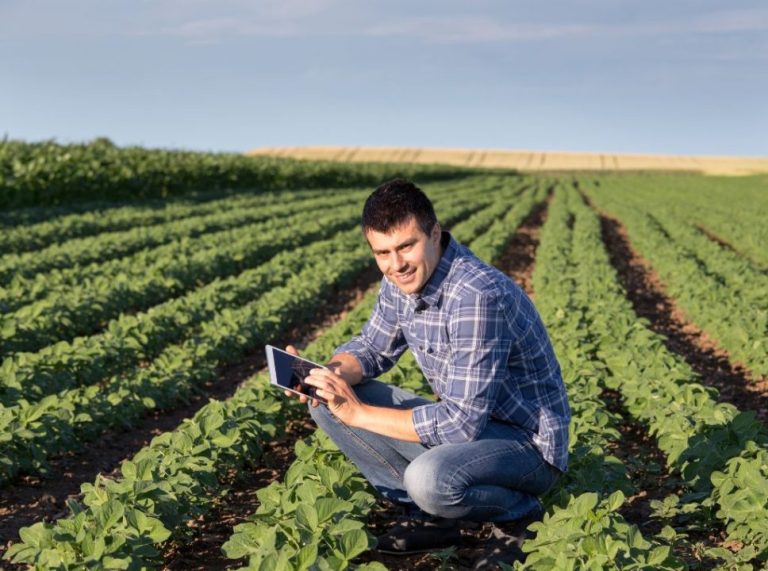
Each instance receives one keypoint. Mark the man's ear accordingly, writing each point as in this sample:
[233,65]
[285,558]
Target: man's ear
[436,232]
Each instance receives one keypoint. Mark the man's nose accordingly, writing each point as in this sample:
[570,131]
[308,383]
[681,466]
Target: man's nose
[398,262]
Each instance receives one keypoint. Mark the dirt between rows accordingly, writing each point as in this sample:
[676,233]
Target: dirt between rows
[646,291]
[32,499]
[201,548]
[726,245]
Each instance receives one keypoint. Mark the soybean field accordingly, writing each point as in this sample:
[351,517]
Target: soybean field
[138,429]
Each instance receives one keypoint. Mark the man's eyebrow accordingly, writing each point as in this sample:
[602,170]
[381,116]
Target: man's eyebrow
[400,246]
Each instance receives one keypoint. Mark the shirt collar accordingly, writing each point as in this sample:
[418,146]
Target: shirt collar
[433,290]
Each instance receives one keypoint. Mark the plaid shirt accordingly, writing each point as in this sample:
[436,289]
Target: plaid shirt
[482,347]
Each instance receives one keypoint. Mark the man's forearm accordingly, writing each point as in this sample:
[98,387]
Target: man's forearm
[393,422]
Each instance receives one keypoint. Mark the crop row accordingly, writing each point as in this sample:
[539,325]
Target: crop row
[141,337]
[63,421]
[59,225]
[490,244]
[719,453]
[150,277]
[732,274]
[126,232]
[79,300]
[732,208]
[583,528]
[22,291]
[117,244]
[731,307]
[301,522]
[170,481]
[135,338]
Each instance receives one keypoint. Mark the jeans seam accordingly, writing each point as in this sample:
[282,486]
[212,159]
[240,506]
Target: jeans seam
[372,451]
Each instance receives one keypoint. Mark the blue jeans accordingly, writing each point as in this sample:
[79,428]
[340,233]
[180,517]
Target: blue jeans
[495,478]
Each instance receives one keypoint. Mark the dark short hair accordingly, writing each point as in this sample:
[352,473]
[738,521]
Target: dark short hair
[393,203]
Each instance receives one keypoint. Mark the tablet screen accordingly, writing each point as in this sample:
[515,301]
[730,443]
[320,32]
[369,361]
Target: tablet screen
[288,372]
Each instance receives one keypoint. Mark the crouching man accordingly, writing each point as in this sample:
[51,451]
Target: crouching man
[497,437]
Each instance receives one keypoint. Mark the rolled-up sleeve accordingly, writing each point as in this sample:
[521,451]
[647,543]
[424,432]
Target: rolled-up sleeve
[381,342]
[480,343]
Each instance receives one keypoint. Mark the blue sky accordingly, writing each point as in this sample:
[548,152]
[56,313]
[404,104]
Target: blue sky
[685,77]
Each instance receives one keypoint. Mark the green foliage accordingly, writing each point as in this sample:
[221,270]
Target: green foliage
[186,338]
[50,173]
[120,522]
[699,435]
[66,393]
[314,519]
[588,533]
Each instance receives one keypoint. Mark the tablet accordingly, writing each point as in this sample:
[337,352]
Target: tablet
[289,371]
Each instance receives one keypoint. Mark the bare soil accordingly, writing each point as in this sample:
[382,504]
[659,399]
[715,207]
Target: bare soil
[519,258]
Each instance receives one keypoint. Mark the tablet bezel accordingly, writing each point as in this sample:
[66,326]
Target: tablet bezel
[270,349]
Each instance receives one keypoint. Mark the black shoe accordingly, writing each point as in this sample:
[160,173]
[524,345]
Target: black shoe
[505,545]
[418,536]
[516,532]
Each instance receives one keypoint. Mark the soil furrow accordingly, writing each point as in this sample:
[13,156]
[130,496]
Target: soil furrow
[727,246]
[32,499]
[646,293]
[646,468]
[645,465]
[201,548]
[519,258]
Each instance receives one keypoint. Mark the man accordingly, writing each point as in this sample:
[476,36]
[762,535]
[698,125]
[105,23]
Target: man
[497,436]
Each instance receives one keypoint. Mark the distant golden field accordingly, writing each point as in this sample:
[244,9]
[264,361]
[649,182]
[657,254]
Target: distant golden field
[526,160]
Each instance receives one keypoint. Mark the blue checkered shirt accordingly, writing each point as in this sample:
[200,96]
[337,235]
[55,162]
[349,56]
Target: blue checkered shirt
[481,345]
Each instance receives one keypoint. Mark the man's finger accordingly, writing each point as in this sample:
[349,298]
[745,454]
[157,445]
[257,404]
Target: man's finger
[302,398]
[292,350]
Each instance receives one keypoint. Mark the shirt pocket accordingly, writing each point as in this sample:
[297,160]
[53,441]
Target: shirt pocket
[438,356]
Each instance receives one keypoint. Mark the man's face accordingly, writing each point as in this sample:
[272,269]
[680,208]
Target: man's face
[406,255]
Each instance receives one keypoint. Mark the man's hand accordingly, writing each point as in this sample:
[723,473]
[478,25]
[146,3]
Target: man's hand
[342,399]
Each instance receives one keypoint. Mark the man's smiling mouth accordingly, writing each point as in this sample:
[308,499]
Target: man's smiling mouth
[406,276]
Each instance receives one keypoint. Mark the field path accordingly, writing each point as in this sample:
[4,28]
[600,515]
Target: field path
[524,160]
